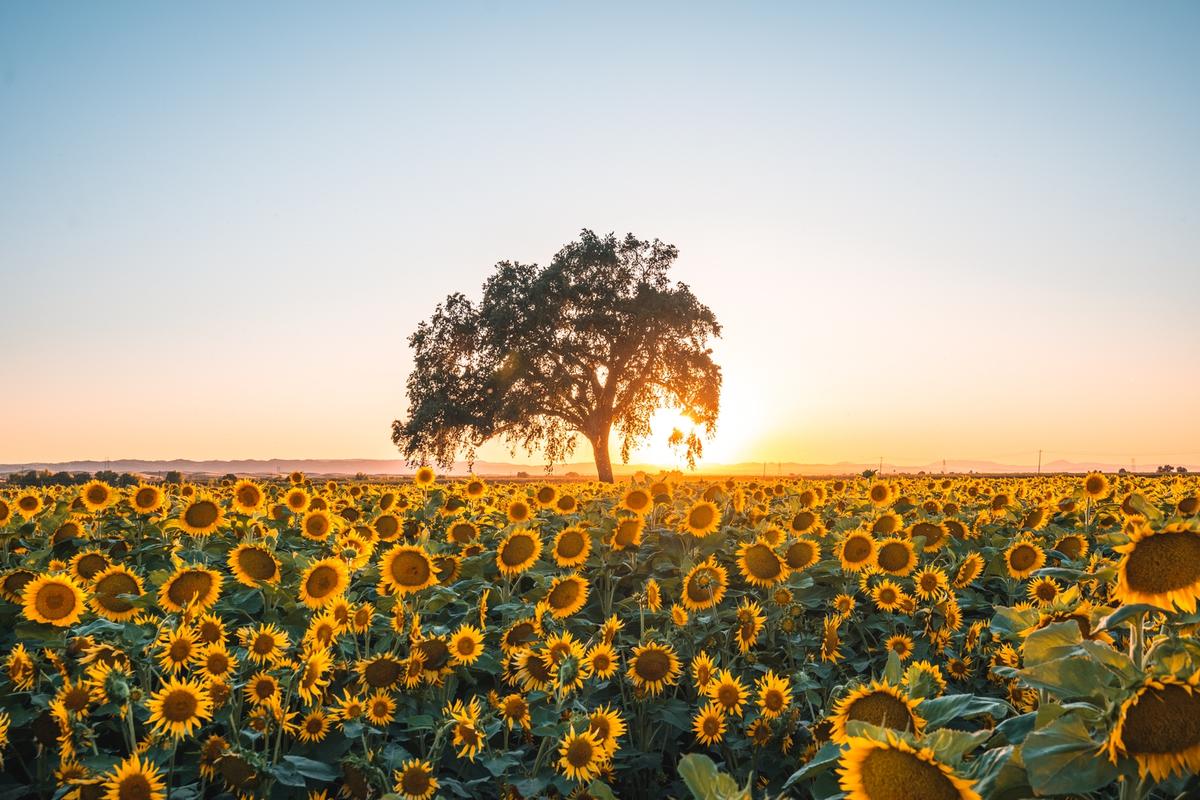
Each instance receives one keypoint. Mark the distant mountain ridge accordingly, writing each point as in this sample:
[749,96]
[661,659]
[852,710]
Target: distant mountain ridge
[366,466]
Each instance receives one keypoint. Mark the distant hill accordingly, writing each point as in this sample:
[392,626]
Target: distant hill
[391,467]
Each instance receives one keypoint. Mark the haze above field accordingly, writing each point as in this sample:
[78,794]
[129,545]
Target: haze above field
[935,231]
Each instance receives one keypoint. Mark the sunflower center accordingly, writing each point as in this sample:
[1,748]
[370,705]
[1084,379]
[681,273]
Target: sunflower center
[257,563]
[652,665]
[179,705]
[894,556]
[882,709]
[712,725]
[1023,557]
[799,555]
[382,672]
[571,543]
[773,699]
[189,586]
[892,774]
[762,562]
[134,787]
[1165,720]
[1164,563]
[108,589]
[858,548]
[201,514]
[564,594]
[415,781]
[410,568]
[436,653]
[322,581]
[700,517]
[55,601]
[579,752]
[518,550]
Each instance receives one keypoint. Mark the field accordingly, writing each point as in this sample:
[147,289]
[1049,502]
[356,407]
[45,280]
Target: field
[880,639]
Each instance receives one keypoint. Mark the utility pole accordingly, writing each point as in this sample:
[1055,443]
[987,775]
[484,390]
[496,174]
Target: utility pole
[1039,462]
[881,465]
[943,466]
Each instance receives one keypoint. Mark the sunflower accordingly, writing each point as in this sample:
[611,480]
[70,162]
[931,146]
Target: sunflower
[750,622]
[606,725]
[247,497]
[601,660]
[313,676]
[831,640]
[20,667]
[517,553]
[53,600]
[381,671]
[1160,568]
[653,667]
[1159,727]
[6,512]
[466,645]
[180,706]
[514,708]
[424,477]
[900,644]
[653,596]
[253,564]
[265,643]
[201,516]
[637,500]
[29,504]
[878,703]
[1023,558]
[405,569]
[709,724]
[349,707]
[580,756]
[880,494]
[176,649]
[1095,485]
[415,780]
[895,770]
[628,533]
[702,519]
[519,635]
[935,534]
[314,726]
[774,695]
[476,488]
[760,565]
[147,498]
[705,585]
[1043,590]
[727,692]
[262,688]
[135,778]
[323,582]
[968,570]
[857,551]
[896,557]
[518,510]
[703,669]
[887,595]
[572,546]
[1073,545]
[802,554]
[381,709]
[931,582]
[97,495]
[190,587]
[468,737]
[887,524]
[567,595]
[460,532]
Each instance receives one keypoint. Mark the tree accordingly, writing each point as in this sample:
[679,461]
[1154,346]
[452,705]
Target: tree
[597,340]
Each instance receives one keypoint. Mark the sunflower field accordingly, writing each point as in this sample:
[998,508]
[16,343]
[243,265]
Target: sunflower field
[914,638]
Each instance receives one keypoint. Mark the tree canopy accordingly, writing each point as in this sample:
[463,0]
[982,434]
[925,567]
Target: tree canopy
[596,341]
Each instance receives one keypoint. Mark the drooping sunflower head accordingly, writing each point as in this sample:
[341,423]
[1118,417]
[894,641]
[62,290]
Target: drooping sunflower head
[1161,567]
[1159,727]
[895,770]
[878,703]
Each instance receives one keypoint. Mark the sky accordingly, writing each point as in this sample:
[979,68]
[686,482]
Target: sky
[930,230]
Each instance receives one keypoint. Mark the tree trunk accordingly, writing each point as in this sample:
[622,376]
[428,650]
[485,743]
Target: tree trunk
[603,462]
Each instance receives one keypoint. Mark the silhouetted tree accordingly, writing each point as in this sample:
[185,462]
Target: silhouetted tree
[598,339]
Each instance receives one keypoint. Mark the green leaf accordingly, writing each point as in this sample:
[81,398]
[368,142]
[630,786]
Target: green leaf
[1123,613]
[1052,641]
[317,770]
[951,745]
[600,790]
[893,673]
[700,775]
[823,760]
[941,710]
[286,773]
[1062,758]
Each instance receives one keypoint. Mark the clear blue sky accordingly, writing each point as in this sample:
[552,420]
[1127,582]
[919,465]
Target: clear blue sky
[942,229]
